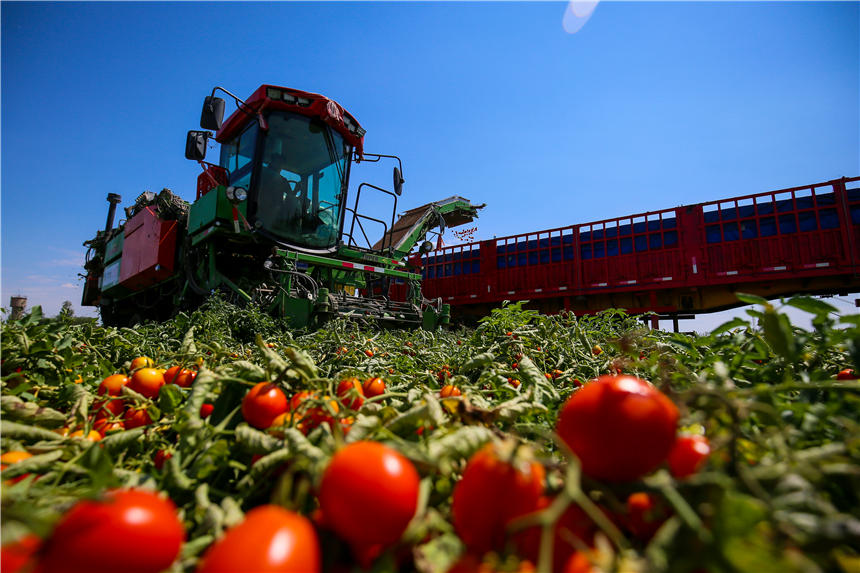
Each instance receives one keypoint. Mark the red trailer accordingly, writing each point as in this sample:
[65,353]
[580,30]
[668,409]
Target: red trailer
[686,260]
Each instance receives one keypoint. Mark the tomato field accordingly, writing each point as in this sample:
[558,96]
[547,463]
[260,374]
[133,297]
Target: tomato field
[223,441]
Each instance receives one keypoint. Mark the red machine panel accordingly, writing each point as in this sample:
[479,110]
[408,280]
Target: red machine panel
[212,176]
[690,258]
[149,250]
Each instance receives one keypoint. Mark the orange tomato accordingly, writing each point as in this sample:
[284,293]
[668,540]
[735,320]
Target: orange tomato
[112,385]
[92,435]
[141,362]
[373,387]
[285,420]
[146,381]
[14,457]
[449,391]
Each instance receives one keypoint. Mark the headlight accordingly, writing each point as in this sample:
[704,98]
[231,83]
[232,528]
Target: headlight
[236,194]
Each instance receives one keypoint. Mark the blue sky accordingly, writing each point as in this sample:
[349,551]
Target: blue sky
[648,106]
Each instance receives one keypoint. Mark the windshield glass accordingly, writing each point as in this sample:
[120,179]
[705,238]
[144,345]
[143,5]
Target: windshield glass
[237,156]
[299,192]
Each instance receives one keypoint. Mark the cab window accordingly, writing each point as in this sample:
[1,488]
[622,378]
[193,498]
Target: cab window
[237,156]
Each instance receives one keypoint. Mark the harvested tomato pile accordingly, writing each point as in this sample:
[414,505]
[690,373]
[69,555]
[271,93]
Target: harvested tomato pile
[223,441]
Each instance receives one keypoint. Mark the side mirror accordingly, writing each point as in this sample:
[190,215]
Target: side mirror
[195,145]
[212,114]
[425,247]
[398,181]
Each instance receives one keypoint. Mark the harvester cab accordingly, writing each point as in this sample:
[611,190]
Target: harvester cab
[287,153]
[270,225]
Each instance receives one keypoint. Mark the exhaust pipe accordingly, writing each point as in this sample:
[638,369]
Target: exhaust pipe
[114,199]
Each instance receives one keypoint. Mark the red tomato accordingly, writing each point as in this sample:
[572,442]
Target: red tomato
[580,562]
[469,563]
[494,490]
[262,404]
[171,374]
[147,381]
[270,539]
[574,522]
[125,530]
[316,415]
[373,387]
[620,427]
[346,424]
[688,454]
[448,391]
[112,385]
[847,374]
[185,378]
[351,393]
[108,408]
[136,417]
[206,410]
[645,514]
[161,456]
[104,426]
[14,556]
[369,493]
[298,398]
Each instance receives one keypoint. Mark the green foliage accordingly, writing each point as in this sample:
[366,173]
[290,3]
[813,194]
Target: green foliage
[779,493]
